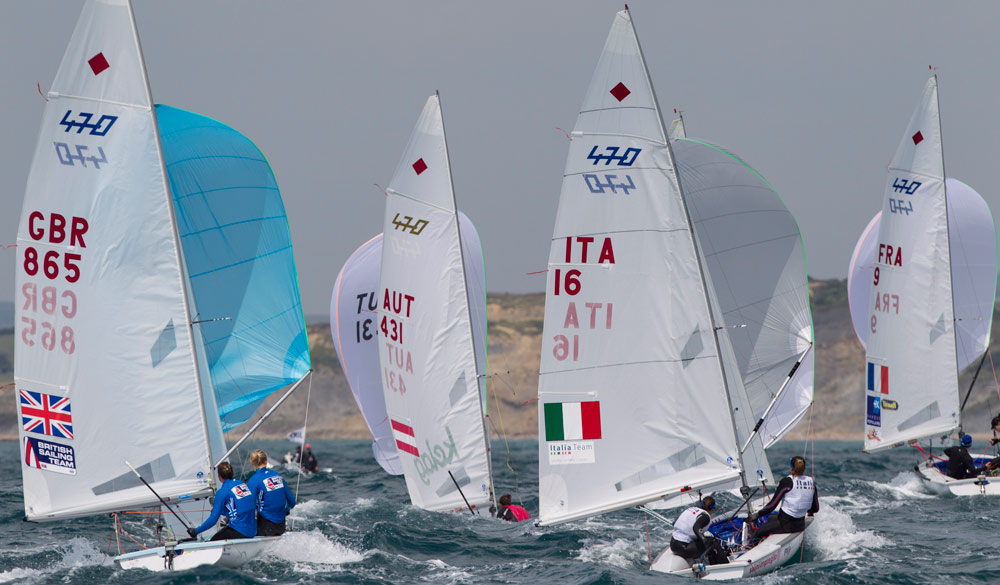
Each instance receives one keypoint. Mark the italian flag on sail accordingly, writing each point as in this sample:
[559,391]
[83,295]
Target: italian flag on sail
[572,421]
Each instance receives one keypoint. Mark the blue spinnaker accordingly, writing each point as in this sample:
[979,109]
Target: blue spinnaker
[238,252]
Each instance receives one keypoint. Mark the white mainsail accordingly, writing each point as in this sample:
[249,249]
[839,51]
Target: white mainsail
[973,240]
[633,398]
[103,324]
[120,238]
[431,370]
[912,370]
[353,308]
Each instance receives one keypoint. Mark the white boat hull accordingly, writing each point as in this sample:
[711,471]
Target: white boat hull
[772,552]
[187,555]
[935,479]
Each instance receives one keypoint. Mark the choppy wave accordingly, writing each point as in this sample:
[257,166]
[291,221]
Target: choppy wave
[876,525]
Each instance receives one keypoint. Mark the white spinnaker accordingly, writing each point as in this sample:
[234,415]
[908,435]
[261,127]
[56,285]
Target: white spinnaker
[757,265]
[430,375]
[635,334]
[973,239]
[115,341]
[911,372]
[353,311]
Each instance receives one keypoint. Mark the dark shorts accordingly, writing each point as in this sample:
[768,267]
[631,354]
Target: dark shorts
[780,523]
[267,528]
[229,533]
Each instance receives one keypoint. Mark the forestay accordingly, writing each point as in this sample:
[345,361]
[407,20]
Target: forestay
[104,362]
[430,367]
[632,396]
[973,241]
[238,251]
[353,308]
[911,372]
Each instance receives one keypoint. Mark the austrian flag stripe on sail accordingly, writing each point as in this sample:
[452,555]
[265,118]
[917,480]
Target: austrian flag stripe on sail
[878,378]
[572,421]
[406,440]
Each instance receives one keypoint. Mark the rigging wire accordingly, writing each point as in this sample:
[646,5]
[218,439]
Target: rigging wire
[305,426]
[503,433]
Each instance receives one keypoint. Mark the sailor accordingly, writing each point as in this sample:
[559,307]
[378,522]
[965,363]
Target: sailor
[960,463]
[511,512]
[797,495]
[235,499]
[309,460]
[687,541]
[272,496]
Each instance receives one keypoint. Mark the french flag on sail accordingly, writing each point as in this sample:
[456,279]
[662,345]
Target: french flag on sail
[878,378]
[406,440]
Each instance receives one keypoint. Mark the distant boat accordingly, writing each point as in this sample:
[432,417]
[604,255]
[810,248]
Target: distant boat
[676,324]
[932,283]
[159,299]
[424,399]
[353,312]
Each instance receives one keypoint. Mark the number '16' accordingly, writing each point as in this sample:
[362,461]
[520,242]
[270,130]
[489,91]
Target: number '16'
[571,284]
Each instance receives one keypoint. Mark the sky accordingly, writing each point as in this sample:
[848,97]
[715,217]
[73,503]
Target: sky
[815,96]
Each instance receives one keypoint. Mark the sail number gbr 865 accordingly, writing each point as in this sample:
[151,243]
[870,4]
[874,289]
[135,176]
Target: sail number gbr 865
[53,298]
[567,281]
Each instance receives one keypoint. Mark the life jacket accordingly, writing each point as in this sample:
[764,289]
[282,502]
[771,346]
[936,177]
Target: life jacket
[520,513]
[684,526]
[800,498]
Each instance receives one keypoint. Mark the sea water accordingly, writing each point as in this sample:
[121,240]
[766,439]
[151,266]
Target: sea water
[353,525]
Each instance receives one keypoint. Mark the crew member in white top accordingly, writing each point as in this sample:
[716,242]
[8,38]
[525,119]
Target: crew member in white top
[797,495]
[687,541]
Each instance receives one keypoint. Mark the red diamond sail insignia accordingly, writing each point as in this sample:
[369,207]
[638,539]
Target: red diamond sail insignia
[419,166]
[98,63]
[620,91]
[917,138]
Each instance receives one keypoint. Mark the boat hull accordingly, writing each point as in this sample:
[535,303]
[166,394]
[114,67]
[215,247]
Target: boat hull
[187,555]
[771,553]
[934,479]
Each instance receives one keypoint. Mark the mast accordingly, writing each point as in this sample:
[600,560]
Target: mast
[178,251]
[468,312]
[947,232]
[694,242]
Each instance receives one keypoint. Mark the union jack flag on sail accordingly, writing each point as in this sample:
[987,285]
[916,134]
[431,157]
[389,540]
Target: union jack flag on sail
[46,414]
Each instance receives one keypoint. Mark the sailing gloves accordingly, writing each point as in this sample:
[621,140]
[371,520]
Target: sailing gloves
[192,532]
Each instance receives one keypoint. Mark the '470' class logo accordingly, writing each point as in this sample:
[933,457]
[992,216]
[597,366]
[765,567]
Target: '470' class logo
[415,227]
[625,159]
[82,122]
[905,186]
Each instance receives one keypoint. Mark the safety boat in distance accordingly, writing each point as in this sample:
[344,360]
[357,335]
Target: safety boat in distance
[162,238]
[645,395]
[921,286]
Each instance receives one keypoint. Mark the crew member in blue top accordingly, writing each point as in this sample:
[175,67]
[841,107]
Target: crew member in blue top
[272,496]
[235,499]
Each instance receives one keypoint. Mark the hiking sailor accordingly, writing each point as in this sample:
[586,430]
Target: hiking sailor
[271,495]
[233,498]
[687,541]
[797,495]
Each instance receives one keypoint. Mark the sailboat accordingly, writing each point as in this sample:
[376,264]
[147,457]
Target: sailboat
[353,310]
[427,316]
[641,393]
[159,299]
[930,300]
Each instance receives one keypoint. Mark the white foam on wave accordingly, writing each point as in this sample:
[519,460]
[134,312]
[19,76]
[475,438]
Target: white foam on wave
[833,534]
[619,552]
[905,486]
[312,551]
[445,573]
[309,509]
[76,552]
